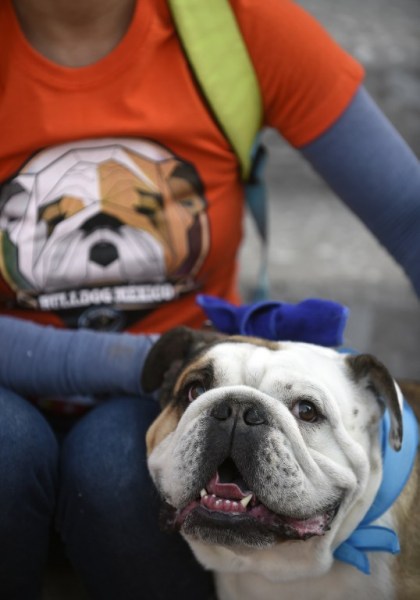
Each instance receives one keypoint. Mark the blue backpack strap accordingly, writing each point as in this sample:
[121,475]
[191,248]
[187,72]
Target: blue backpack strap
[257,201]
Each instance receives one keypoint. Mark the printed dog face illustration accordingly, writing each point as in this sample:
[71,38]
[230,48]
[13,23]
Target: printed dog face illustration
[103,211]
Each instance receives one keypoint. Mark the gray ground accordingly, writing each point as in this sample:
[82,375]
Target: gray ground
[319,249]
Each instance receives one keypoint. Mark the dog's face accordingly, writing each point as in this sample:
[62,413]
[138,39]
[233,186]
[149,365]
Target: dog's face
[103,211]
[266,454]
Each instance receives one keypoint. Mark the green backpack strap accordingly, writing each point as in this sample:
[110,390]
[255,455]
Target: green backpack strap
[218,56]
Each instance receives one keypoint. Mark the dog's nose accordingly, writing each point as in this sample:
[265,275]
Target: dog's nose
[250,414]
[222,411]
[253,416]
[103,254]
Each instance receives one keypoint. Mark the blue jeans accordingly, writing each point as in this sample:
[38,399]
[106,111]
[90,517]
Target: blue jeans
[98,490]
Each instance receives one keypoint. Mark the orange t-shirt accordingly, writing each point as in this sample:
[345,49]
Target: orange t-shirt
[120,198]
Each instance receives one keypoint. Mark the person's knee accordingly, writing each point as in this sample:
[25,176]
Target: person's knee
[28,466]
[108,510]
[28,447]
[103,463]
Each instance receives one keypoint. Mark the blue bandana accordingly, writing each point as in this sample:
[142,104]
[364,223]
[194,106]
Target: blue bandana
[397,467]
[322,322]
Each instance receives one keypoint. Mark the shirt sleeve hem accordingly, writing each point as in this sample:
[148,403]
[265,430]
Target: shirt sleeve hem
[328,111]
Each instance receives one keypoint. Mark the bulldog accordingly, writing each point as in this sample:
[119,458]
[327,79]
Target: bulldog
[267,456]
[100,212]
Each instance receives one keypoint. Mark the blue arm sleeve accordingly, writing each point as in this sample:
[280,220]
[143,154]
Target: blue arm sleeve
[38,360]
[368,164]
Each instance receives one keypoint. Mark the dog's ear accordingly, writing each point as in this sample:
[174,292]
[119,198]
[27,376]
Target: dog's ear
[171,352]
[369,371]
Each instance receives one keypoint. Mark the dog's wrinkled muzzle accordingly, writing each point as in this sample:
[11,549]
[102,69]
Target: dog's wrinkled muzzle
[232,506]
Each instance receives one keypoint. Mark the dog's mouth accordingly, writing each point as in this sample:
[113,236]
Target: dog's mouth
[226,503]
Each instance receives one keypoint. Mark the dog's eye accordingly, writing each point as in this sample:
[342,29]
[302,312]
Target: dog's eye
[306,411]
[196,389]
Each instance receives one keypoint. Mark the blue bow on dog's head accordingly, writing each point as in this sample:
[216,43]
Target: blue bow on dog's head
[313,321]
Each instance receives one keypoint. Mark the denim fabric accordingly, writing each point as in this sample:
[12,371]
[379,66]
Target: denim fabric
[106,512]
[29,460]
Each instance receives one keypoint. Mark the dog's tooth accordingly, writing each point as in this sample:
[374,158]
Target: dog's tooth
[245,501]
[203,493]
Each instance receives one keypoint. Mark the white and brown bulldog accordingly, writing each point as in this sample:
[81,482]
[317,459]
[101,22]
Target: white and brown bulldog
[268,456]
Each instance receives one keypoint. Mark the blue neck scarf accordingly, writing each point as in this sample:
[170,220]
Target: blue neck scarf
[322,322]
[397,467]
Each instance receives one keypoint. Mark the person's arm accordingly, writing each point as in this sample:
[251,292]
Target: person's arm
[37,360]
[369,166]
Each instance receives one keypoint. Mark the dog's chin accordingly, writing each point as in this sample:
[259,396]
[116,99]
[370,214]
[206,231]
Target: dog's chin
[227,512]
[227,530]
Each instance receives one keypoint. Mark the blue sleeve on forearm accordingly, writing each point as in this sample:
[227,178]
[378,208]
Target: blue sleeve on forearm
[37,360]
[368,164]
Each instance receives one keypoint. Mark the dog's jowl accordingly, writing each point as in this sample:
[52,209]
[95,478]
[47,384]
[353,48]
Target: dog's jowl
[269,457]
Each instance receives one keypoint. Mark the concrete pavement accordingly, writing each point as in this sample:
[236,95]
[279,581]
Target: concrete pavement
[318,248]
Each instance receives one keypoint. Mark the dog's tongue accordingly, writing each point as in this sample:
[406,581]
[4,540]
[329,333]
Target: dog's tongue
[230,490]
